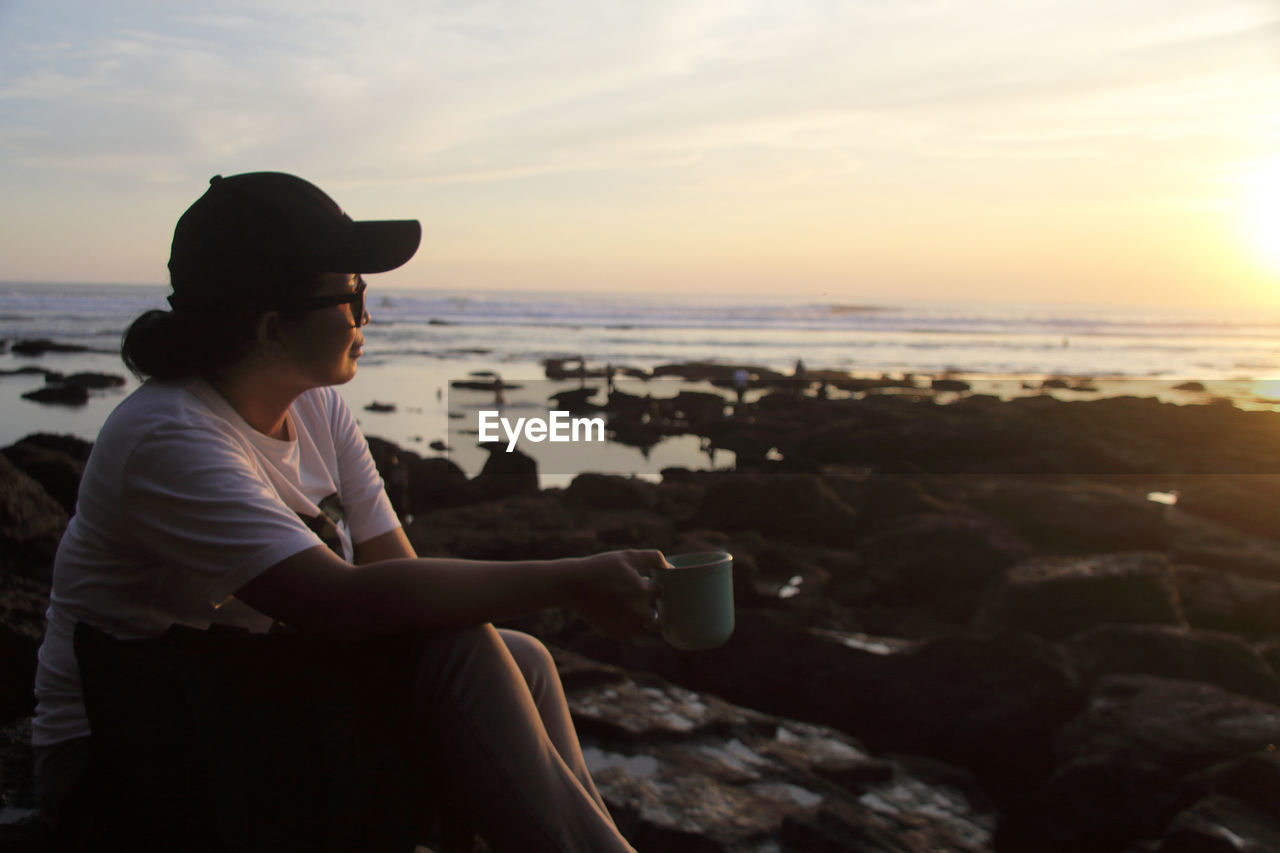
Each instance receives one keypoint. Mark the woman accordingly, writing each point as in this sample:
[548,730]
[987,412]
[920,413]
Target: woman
[234,488]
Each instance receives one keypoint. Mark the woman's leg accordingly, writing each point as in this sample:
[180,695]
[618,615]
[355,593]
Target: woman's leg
[482,735]
[58,771]
[539,671]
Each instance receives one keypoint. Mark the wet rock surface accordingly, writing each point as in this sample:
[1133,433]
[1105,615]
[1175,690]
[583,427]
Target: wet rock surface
[960,627]
[750,781]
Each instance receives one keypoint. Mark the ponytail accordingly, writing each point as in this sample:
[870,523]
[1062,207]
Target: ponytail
[173,345]
[213,322]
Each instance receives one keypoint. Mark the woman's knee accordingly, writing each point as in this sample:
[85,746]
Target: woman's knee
[532,657]
[529,651]
[460,660]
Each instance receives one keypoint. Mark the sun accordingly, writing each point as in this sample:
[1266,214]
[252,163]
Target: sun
[1262,212]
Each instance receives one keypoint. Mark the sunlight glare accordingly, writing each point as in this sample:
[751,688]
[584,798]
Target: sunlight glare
[1263,211]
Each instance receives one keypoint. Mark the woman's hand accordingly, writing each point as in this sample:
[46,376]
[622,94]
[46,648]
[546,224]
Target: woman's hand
[612,591]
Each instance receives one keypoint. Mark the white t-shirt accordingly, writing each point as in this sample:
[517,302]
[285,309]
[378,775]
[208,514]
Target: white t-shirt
[181,504]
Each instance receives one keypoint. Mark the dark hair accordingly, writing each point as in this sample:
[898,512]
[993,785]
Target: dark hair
[179,344]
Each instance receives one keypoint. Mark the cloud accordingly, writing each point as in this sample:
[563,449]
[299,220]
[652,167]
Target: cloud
[491,89]
[699,109]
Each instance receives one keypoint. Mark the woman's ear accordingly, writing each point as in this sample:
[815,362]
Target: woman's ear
[269,332]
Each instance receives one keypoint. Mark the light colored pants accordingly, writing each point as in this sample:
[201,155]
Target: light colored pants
[492,717]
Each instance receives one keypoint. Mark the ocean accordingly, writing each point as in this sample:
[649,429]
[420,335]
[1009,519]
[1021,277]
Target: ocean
[419,342]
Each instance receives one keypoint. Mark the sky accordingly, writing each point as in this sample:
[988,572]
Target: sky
[860,151]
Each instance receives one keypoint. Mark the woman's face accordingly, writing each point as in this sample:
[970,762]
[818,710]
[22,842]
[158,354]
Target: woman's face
[322,344]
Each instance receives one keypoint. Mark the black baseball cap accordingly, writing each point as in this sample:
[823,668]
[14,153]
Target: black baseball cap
[251,228]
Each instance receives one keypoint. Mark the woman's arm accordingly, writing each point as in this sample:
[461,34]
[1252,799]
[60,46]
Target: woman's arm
[391,545]
[315,590]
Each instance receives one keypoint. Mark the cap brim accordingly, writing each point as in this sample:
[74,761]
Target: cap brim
[377,246]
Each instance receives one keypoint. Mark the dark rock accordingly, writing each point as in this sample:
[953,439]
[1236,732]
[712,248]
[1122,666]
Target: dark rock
[1038,435]
[605,491]
[23,601]
[882,500]
[559,368]
[69,445]
[574,399]
[1251,779]
[1242,555]
[493,385]
[506,473]
[1059,596]
[393,464]
[939,563]
[62,395]
[384,451]
[1075,517]
[30,371]
[31,522]
[1220,601]
[416,485]
[989,705]
[750,443]
[881,435]
[1247,502]
[682,771]
[698,409]
[844,827]
[793,571]
[40,346]
[625,528]
[438,482]
[788,506]
[534,526]
[952,385]
[1125,759]
[95,381]
[1210,658]
[1270,652]
[15,767]
[1222,825]
[58,472]
[703,371]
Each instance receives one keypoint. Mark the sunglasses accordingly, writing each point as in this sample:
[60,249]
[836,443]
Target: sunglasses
[355,299]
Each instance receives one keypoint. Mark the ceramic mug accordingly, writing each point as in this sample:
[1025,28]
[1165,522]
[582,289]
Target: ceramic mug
[695,599]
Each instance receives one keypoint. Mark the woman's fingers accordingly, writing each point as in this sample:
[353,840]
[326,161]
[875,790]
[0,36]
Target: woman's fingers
[619,599]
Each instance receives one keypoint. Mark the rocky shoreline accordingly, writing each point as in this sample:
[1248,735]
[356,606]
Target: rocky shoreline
[1024,625]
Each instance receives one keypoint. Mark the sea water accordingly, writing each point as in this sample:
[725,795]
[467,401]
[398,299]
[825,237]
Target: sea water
[419,342]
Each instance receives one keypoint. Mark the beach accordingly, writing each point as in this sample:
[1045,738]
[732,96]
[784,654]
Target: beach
[966,599]
[954,619]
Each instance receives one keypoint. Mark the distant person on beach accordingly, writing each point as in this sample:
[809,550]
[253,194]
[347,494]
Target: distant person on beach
[740,380]
[233,489]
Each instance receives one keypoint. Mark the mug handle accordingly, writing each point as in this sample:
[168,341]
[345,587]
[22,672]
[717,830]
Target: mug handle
[658,621]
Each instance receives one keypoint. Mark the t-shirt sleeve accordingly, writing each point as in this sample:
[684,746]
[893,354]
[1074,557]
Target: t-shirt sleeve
[195,499]
[364,496]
